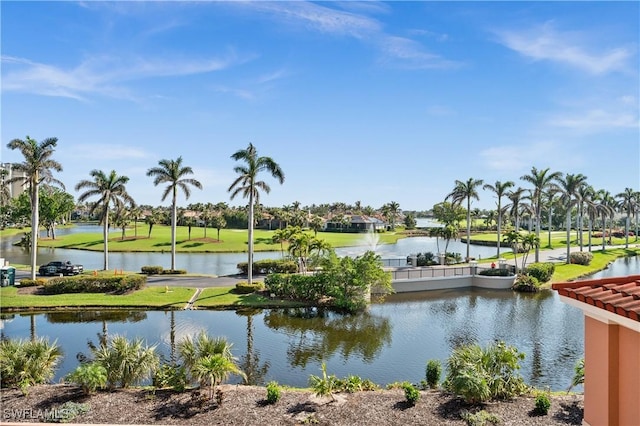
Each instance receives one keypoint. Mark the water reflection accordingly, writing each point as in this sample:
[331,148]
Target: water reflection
[318,334]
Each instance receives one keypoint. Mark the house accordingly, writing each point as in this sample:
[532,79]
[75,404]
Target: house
[354,223]
[611,308]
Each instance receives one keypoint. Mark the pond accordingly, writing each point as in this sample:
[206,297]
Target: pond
[391,342]
[219,263]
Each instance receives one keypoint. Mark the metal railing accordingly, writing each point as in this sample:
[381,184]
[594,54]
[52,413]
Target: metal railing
[437,271]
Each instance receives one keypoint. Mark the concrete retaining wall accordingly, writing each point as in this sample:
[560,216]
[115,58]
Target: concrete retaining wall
[442,283]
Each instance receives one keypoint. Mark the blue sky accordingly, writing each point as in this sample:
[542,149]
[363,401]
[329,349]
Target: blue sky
[357,101]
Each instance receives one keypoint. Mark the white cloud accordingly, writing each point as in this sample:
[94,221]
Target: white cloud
[102,75]
[406,53]
[517,158]
[570,48]
[596,120]
[107,152]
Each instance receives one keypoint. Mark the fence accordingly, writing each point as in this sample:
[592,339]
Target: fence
[437,272]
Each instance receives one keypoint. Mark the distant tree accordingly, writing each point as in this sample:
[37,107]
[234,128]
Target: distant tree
[410,221]
[110,189]
[627,203]
[247,184]
[37,167]
[173,173]
[569,186]
[500,189]
[218,221]
[466,191]
[316,223]
[542,181]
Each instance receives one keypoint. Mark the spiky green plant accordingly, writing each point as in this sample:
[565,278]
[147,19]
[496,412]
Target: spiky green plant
[28,362]
[325,385]
[214,369]
[192,350]
[126,362]
[90,376]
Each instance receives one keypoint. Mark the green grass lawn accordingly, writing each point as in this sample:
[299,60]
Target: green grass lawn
[217,297]
[149,297]
[567,272]
[558,239]
[231,240]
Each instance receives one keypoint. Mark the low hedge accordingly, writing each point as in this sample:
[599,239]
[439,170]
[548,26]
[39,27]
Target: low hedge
[174,272]
[496,272]
[82,284]
[299,287]
[152,270]
[27,282]
[270,266]
[244,287]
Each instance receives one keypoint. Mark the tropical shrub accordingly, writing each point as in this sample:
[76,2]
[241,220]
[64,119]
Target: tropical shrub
[526,283]
[325,385]
[170,376]
[273,392]
[411,394]
[354,384]
[496,272]
[90,376]
[580,257]
[214,369]
[479,374]
[481,418]
[541,271]
[152,270]
[543,403]
[91,284]
[244,287]
[126,362]
[433,373]
[26,282]
[578,374]
[27,362]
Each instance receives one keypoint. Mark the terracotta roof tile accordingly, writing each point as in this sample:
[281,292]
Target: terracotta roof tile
[620,295]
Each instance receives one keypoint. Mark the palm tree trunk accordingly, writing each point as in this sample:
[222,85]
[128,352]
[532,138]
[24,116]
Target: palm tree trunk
[499,230]
[34,227]
[538,213]
[174,216]
[568,235]
[105,236]
[604,230]
[549,225]
[250,242]
[590,231]
[626,231]
[468,225]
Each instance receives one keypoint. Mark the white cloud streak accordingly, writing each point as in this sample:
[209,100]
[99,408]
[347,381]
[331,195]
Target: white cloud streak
[545,43]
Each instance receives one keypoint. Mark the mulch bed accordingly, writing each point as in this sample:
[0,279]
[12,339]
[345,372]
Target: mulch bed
[246,405]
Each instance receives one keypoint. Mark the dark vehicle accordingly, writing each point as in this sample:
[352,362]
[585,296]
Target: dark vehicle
[58,267]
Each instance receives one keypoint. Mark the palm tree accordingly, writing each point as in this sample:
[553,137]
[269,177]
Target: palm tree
[500,190]
[466,191]
[549,201]
[606,208]
[542,181]
[584,197]
[173,173]
[516,197]
[135,212]
[627,202]
[37,168]
[110,189]
[394,209]
[247,184]
[569,186]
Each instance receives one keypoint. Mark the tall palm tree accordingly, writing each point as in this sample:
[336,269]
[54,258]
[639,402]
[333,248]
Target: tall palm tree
[542,181]
[394,209]
[110,189]
[550,201]
[569,186]
[248,184]
[584,197]
[173,173]
[606,209]
[37,168]
[500,189]
[466,191]
[628,203]
[516,197]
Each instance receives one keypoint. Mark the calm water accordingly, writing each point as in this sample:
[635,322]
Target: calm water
[391,342]
[217,263]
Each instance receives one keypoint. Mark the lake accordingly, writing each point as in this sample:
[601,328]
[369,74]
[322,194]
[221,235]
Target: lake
[221,263]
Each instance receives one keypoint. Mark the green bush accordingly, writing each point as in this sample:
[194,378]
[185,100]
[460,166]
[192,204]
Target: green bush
[325,385]
[526,283]
[479,374]
[541,271]
[354,384]
[270,266]
[27,362]
[171,376]
[89,376]
[91,284]
[578,374]
[543,403]
[26,282]
[580,257]
[496,272]
[174,272]
[67,412]
[152,270]
[433,373]
[480,418]
[127,362]
[273,392]
[411,394]
[244,287]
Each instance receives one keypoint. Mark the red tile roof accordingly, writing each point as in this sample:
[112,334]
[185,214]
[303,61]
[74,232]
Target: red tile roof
[620,295]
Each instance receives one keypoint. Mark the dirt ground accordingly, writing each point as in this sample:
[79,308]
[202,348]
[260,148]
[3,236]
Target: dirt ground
[246,405]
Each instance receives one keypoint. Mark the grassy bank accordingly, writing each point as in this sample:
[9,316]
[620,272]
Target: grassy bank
[231,240]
